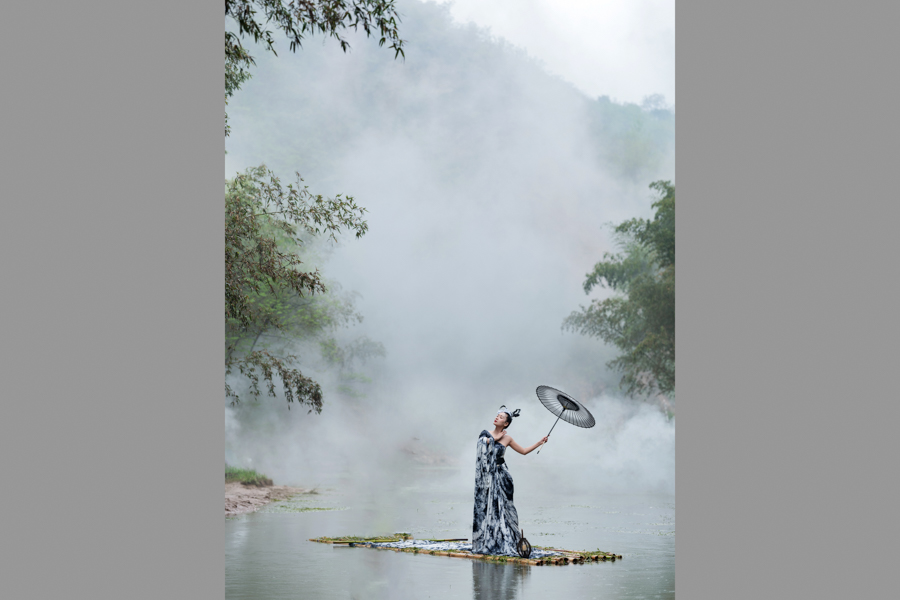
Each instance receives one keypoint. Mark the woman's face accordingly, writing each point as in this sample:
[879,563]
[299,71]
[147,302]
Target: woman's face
[500,420]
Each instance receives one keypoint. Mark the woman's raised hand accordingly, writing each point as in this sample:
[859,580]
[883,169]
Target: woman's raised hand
[545,439]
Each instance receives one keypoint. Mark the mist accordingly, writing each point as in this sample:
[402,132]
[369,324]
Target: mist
[620,48]
[488,190]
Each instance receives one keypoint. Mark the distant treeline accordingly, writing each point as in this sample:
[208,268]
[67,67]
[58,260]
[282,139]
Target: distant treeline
[309,109]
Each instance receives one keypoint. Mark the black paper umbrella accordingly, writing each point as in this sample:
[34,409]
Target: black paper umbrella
[565,407]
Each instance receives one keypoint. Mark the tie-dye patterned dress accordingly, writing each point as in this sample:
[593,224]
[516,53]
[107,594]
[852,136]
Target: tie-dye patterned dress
[495,529]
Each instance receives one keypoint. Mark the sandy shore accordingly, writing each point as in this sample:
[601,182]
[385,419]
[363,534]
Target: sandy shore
[240,499]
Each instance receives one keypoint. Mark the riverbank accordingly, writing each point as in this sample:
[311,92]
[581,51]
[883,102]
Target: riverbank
[241,499]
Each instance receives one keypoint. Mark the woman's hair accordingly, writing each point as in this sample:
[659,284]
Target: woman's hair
[509,415]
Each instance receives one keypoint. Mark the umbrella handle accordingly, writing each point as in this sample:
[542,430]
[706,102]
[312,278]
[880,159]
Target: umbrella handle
[551,430]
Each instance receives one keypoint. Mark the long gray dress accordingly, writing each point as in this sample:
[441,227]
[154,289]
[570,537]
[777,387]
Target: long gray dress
[495,529]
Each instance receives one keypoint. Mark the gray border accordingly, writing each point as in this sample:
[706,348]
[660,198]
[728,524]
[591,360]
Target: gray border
[786,469]
[112,246]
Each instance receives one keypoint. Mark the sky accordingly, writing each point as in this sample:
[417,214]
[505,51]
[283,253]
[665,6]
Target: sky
[624,49]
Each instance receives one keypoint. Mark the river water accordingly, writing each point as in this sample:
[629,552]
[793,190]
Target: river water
[268,555]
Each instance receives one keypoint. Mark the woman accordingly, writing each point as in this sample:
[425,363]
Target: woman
[496,526]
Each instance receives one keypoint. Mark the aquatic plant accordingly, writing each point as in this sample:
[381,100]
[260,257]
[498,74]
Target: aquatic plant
[246,476]
[397,537]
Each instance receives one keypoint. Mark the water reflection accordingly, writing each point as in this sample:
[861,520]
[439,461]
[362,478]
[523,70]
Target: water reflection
[497,582]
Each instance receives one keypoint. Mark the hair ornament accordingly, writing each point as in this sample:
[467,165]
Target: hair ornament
[514,413]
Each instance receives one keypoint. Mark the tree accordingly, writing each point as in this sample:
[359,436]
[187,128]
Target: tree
[266,286]
[639,319]
[298,19]
[267,291]
[285,321]
[634,140]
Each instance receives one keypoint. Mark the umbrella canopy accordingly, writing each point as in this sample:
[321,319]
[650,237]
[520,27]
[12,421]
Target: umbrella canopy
[565,406]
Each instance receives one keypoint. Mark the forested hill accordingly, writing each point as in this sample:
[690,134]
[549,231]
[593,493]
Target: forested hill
[460,101]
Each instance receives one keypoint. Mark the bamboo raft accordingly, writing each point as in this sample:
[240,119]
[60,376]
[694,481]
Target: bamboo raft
[565,557]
